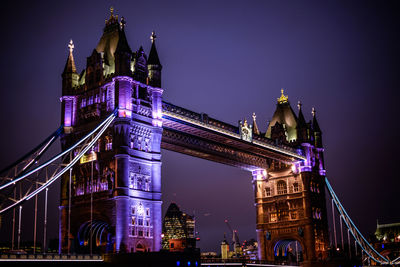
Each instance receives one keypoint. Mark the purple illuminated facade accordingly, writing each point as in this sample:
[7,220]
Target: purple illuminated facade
[111,200]
[121,177]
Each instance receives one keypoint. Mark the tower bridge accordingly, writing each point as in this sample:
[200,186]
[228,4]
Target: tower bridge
[114,124]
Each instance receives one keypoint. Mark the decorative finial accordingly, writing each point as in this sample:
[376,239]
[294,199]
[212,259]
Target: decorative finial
[299,105]
[283,98]
[71,46]
[313,111]
[122,23]
[255,127]
[113,19]
[153,36]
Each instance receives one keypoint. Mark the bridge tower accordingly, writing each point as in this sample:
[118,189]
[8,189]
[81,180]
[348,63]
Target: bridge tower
[290,197]
[111,199]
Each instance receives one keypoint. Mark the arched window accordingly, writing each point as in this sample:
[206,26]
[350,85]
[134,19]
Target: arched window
[296,187]
[108,143]
[267,191]
[281,186]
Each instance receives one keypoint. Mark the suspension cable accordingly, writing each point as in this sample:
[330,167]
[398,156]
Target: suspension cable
[364,244]
[101,129]
[107,121]
[44,145]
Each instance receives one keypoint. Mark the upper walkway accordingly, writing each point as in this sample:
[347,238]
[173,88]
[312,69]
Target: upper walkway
[199,135]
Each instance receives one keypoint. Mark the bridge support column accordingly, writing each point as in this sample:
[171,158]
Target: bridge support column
[261,244]
[121,197]
[259,177]
[156,205]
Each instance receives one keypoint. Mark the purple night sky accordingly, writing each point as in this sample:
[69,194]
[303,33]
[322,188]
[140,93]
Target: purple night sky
[227,59]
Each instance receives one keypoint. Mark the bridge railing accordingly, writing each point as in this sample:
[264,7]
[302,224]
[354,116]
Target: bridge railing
[49,257]
[242,262]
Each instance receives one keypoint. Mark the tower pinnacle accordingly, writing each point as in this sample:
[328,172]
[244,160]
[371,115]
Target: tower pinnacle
[299,105]
[283,98]
[153,36]
[122,23]
[71,46]
[112,19]
[70,65]
[313,112]
[255,127]
[154,65]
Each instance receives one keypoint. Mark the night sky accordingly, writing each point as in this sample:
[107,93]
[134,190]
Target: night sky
[227,59]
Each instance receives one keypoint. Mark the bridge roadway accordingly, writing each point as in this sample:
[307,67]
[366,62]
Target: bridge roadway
[199,135]
[49,258]
[96,260]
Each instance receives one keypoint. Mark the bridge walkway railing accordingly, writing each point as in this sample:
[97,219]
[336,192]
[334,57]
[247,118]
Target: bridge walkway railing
[214,262]
[49,257]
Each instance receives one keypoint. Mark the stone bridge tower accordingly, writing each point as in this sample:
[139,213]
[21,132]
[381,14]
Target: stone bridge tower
[290,198]
[113,203]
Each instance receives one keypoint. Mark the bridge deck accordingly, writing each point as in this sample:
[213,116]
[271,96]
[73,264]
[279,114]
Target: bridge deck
[198,135]
[49,257]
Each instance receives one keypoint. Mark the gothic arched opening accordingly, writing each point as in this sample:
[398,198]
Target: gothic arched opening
[288,251]
[95,235]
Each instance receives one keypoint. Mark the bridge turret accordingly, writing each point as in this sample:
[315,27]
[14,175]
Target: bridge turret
[108,43]
[255,127]
[316,130]
[69,76]
[286,119]
[154,66]
[302,127]
[140,66]
[69,80]
[123,53]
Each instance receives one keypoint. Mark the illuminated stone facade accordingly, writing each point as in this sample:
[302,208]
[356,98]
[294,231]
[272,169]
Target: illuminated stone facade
[116,188]
[122,173]
[290,198]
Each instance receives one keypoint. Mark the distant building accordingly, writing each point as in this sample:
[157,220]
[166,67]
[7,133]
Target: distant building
[178,230]
[224,249]
[208,254]
[388,239]
[250,249]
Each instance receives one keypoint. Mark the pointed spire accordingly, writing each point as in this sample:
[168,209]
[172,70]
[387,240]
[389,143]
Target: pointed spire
[255,127]
[315,122]
[153,36]
[122,23]
[316,129]
[141,50]
[224,241]
[300,121]
[153,55]
[123,45]
[70,65]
